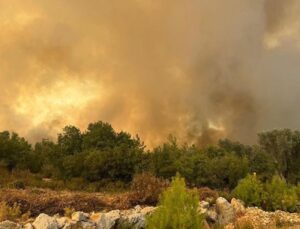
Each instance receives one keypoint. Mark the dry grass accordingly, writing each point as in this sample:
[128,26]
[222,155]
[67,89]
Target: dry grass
[38,201]
[245,224]
[68,212]
[9,213]
[208,194]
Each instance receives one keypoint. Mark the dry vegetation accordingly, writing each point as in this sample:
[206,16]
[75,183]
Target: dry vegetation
[9,213]
[145,190]
[38,201]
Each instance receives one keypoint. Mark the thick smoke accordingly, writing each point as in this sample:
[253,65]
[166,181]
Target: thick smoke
[199,69]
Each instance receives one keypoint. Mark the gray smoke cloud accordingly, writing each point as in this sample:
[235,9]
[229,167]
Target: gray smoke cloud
[199,69]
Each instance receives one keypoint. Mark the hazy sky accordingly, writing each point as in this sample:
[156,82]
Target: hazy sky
[200,69]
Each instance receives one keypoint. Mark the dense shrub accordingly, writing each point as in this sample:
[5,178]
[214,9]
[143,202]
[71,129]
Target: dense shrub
[274,195]
[14,151]
[283,146]
[280,195]
[101,156]
[227,170]
[262,164]
[250,190]
[146,189]
[177,209]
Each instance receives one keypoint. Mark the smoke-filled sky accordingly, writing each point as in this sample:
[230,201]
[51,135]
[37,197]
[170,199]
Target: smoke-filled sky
[199,69]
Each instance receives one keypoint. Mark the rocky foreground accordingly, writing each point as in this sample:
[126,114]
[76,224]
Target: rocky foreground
[228,215]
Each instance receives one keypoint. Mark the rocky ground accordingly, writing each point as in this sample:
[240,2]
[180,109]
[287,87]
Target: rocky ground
[133,218]
[222,213]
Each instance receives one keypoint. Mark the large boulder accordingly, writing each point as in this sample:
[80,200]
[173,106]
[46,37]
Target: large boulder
[28,226]
[225,211]
[135,218]
[204,204]
[238,207]
[72,225]
[148,210]
[8,225]
[80,216]
[211,215]
[87,225]
[107,220]
[61,222]
[44,221]
[203,207]
[137,208]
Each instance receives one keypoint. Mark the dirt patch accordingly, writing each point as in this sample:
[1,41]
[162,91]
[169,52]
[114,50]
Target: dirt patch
[52,202]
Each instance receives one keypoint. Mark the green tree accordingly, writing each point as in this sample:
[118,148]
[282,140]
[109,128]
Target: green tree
[102,136]
[70,140]
[202,171]
[14,150]
[250,190]
[49,157]
[280,196]
[262,164]
[178,209]
[73,165]
[165,157]
[99,135]
[115,164]
[235,147]
[284,147]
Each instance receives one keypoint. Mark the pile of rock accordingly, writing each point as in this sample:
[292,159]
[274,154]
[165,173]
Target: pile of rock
[222,212]
[235,215]
[258,218]
[134,218]
[231,215]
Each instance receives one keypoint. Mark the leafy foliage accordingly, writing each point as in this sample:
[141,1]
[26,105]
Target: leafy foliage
[101,156]
[280,196]
[177,209]
[250,190]
[14,151]
[284,148]
[274,195]
[70,141]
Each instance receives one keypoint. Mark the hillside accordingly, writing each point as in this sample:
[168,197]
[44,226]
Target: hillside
[102,170]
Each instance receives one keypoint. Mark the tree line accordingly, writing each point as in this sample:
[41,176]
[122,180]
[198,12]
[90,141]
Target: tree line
[102,154]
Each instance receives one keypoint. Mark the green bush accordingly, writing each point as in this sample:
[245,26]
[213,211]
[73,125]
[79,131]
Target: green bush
[102,159]
[250,190]
[274,195]
[280,196]
[177,209]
